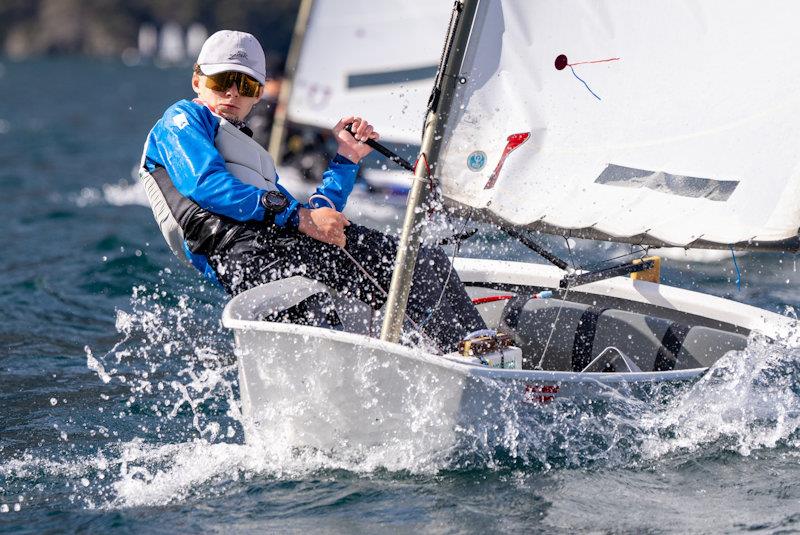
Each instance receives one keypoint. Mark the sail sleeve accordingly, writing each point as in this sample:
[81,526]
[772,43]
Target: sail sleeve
[652,122]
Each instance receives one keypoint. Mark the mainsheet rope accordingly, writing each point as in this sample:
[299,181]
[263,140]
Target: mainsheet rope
[456,249]
[369,277]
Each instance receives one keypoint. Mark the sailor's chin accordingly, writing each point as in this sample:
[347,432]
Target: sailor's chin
[229,114]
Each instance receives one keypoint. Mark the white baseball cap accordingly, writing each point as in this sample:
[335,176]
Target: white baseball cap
[229,50]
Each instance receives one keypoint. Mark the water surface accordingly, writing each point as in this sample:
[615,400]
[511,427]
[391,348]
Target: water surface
[119,396]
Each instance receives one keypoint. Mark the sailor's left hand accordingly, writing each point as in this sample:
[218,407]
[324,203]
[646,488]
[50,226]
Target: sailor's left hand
[323,224]
[352,146]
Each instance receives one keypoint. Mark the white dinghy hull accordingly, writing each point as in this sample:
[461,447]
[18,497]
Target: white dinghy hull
[309,386]
[327,389]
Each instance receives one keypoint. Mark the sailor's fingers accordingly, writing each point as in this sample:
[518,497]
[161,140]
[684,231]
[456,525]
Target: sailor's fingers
[365,132]
[324,224]
[329,220]
[339,239]
[340,219]
[344,121]
[354,129]
[335,235]
[359,128]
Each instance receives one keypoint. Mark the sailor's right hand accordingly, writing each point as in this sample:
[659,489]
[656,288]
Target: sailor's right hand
[323,224]
[353,146]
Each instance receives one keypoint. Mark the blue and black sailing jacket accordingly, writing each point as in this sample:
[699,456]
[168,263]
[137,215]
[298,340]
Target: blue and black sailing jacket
[219,175]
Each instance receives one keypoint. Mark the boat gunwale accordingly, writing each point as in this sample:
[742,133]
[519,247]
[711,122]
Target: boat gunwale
[726,311]
[450,362]
[474,270]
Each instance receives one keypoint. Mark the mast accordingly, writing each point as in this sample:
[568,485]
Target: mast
[278,133]
[447,79]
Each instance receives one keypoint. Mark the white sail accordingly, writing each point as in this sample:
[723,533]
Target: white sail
[375,59]
[664,122]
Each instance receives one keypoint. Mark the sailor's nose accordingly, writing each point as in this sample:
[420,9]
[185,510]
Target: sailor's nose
[233,90]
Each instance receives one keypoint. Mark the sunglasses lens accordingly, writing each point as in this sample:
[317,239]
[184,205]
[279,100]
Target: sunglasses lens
[247,86]
[216,82]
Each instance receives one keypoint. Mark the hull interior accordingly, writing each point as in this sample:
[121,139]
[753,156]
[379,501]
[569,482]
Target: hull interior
[575,333]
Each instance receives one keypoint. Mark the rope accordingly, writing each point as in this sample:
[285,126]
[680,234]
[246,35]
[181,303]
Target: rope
[456,248]
[738,273]
[642,252]
[366,273]
[321,197]
[569,250]
[430,180]
[386,294]
[553,328]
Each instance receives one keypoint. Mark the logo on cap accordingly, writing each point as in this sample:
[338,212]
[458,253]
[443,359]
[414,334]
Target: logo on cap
[239,54]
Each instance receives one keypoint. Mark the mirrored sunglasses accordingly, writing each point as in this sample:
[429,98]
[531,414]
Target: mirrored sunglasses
[247,85]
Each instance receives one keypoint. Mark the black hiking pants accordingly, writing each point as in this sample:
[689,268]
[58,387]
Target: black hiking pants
[437,301]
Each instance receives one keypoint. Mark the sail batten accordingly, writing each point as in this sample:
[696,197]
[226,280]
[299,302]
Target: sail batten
[671,123]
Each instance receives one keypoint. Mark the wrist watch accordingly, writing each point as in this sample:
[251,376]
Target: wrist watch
[274,202]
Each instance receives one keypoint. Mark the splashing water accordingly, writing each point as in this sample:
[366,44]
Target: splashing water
[158,334]
[172,378]
[750,400]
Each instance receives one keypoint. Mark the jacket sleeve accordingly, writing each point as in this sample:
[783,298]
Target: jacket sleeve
[338,181]
[184,142]
[290,216]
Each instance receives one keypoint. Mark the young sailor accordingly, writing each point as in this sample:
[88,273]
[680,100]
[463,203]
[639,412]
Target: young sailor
[217,198]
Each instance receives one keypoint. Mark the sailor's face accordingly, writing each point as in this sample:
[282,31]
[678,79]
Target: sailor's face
[228,103]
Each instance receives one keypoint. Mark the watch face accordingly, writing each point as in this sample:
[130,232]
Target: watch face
[274,201]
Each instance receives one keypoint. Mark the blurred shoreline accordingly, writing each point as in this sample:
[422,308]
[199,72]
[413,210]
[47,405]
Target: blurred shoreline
[157,30]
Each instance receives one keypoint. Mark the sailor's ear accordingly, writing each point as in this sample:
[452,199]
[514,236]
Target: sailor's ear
[196,83]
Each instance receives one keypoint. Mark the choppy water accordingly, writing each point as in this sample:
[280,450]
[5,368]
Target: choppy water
[118,400]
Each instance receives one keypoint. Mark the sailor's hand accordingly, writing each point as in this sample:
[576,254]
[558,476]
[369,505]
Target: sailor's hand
[352,146]
[323,224]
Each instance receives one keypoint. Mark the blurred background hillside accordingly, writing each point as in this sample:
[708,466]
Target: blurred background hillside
[163,30]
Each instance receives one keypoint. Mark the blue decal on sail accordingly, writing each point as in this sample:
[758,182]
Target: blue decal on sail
[477,160]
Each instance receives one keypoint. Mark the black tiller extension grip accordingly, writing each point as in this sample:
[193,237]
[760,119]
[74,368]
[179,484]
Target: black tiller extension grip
[402,162]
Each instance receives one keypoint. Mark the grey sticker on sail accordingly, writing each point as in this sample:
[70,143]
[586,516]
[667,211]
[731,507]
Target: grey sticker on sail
[685,186]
